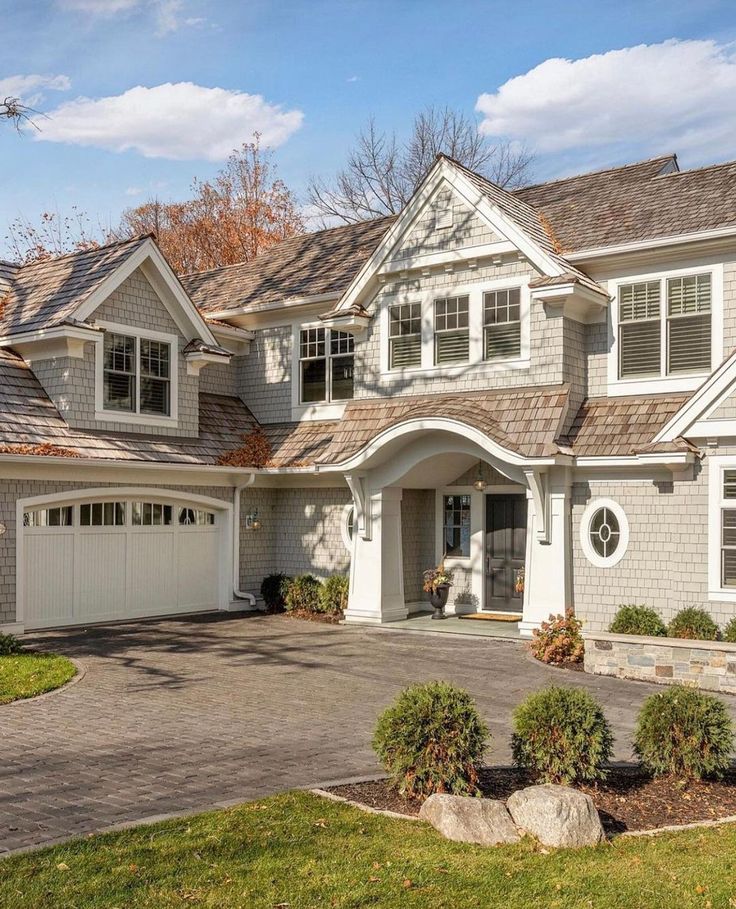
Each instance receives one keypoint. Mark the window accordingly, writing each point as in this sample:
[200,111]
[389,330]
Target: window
[456,526]
[195,517]
[728,530]
[136,375]
[102,514]
[674,341]
[451,330]
[326,365]
[604,533]
[151,514]
[347,526]
[49,517]
[502,324]
[405,335]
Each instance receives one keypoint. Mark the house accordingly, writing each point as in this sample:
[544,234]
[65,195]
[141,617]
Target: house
[538,386]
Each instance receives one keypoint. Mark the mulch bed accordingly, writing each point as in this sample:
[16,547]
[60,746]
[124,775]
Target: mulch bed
[327,618]
[628,800]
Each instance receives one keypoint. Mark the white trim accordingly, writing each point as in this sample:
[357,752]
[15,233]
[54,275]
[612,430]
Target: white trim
[474,291]
[344,521]
[717,464]
[623,543]
[314,410]
[248,309]
[461,254]
[135,417]
[663,382]
[597,252]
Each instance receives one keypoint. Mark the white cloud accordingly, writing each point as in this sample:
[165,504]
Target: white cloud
[179,121]
[30,88]
[105,8]
[167,13]
[133,191]
[678,95]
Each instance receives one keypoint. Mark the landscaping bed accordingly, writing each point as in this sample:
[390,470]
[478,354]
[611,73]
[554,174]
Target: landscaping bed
[628,800]
[26,675]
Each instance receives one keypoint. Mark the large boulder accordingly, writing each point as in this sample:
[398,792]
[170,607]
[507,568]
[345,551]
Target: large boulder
[470,820]
[556,815]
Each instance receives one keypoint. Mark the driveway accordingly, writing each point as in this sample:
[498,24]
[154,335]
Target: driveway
[186,714]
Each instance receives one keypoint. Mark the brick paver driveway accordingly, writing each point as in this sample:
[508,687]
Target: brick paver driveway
[185,714]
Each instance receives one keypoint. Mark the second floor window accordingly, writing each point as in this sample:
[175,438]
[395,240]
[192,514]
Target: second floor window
[502,324]
[136,375]
[326,363]
[665,327]
[451,330]
[405,335]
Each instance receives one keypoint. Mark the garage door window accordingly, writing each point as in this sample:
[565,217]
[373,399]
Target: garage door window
[102,514]
[195,517]
[49,517]
[151,514]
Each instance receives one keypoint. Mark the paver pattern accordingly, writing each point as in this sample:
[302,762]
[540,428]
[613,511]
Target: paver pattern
[185,714]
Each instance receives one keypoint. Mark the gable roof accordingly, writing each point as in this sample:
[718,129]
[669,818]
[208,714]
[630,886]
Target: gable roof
[643,201]
[46,293]
[315,264]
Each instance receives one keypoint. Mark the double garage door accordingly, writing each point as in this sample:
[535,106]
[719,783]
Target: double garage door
[118,558]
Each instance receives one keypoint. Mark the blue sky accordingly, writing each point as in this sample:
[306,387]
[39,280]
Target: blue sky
[308,74]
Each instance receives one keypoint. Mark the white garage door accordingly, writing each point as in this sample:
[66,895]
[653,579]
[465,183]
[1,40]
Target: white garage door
[118,558]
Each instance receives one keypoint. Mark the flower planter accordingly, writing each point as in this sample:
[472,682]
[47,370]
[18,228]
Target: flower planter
[710,665]
[438,599]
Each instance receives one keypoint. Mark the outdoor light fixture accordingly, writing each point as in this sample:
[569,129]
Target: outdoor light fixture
[480,484]
[252,521]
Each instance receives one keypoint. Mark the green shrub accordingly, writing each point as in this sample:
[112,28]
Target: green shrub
[684,733]
[633,619]
[273,591]
[559,640]
[729,632]
[562,736]
[693,624]
[432,739]
[9,645]
[303,594]
[334,594]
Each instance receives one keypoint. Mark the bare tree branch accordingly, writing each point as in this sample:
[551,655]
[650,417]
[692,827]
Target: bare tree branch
[16,112]
[381,175]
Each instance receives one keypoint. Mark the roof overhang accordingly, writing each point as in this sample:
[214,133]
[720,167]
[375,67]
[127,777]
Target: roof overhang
[578,302]
[65,340]
[653,243]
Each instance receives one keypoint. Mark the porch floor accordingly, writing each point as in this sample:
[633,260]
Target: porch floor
[487,628]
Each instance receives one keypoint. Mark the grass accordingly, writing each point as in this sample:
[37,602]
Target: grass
[297,851]
[24,675]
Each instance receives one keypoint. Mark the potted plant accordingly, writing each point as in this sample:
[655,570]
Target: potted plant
[437,583]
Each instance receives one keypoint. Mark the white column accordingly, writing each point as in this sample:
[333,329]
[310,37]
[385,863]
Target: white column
[548,572]
[377,564]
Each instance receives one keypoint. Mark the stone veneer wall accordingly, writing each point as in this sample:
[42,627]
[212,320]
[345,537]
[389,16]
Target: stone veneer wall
[418,538]
[703,664]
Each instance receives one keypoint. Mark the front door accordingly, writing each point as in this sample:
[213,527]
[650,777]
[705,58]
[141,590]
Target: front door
[505,551]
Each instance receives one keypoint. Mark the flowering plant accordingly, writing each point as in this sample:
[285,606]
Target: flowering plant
[437,577]
[519,581]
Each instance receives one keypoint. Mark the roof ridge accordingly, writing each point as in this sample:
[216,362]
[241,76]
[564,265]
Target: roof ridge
[91,249]
[598,172]
[695,170]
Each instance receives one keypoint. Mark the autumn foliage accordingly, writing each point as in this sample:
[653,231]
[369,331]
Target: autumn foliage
[559,640]
[43,449]
[254,452]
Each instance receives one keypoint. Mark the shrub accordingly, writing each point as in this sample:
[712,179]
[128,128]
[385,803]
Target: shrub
[559,640]
[273,591]
[562,736]
[9,645]
[729,632]
[684,733]
[334,594]
[632,619]
[432,740]
[303,594]
[693,624]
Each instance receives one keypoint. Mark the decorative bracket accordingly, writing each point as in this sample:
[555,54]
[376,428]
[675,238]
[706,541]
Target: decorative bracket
[539,486]
[361,502]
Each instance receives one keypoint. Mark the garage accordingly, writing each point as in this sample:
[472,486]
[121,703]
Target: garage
[121,555]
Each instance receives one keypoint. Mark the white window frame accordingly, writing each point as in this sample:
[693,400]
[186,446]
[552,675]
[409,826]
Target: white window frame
[717,465]
[665,383]
[313,410]
[347,512]
[474,292]
[135,417]
[623,523]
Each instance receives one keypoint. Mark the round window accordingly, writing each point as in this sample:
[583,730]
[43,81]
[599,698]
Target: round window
[604,532]
[348,526]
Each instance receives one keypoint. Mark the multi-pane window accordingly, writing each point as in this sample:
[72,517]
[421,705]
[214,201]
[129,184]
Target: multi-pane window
[728,530]
[604,532]
[456,526]
[195,517]
[136,374]
[151,514]
[326,365]
[102,514]
[405,335]
[502,324]
[451,330]
[673,339]
[49,517]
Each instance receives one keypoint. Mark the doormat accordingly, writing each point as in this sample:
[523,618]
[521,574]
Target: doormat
[491,617]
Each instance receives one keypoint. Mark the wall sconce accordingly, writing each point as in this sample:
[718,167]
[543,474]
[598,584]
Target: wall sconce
[3,529]
[252,521]
[480,484]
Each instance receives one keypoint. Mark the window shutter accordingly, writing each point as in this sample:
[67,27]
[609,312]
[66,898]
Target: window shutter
[640,349]
[503,341]
[452,347]
[688,324]
[406,350]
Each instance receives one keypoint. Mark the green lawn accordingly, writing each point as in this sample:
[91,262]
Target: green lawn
[25,675]
[296,851]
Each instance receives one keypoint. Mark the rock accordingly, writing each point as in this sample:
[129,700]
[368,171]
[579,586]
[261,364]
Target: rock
[556,816]
[469,820]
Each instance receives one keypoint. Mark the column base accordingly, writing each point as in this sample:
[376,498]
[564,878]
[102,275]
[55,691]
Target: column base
[526,627]
[370,617]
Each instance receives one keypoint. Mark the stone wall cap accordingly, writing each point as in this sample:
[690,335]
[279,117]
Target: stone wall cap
[652,641]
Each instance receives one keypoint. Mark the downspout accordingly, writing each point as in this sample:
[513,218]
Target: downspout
[237,592]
